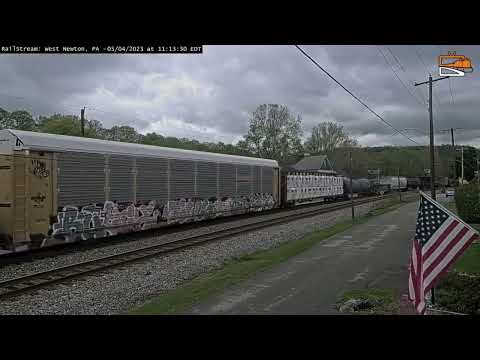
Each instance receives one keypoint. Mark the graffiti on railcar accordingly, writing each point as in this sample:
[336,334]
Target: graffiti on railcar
[93,221]
[186,210]
[40,169]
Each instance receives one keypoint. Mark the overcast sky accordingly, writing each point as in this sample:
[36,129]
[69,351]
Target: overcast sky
[210,96]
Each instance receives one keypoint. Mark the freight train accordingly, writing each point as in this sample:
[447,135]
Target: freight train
[57,189]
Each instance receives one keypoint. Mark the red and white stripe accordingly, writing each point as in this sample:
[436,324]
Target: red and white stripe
[429,263]
[448,246]
[415,283]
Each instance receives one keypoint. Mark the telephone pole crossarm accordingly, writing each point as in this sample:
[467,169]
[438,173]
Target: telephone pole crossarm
[433,80]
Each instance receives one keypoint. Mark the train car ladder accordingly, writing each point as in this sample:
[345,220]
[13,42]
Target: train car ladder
[20,203]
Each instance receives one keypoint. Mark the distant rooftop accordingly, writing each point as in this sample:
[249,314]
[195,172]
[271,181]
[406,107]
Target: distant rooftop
[313,163]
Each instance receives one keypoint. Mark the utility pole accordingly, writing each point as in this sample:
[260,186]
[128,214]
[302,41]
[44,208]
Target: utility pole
[454,157]
[399,192]
[478,173]
[82,120]
[462,166]
[432,148]
[432,145]
[351,183]
[452,130]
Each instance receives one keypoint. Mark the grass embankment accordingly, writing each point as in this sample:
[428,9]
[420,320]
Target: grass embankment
[240,269]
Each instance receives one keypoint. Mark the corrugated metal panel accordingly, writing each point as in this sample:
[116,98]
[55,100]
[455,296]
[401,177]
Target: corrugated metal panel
[206,180]
[182,179]
[244,179]
[227,180]
[61,143]
[121,178]
[256,180]
[152,180]
[267,180]
[81,179]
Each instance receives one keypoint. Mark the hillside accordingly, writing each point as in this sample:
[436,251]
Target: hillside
[411,160]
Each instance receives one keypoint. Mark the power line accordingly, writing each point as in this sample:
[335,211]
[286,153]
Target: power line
[423,97]
[398,77]
[451,92]
[427,70]
[442,51]
[421,59]
[396,59]
[353,95]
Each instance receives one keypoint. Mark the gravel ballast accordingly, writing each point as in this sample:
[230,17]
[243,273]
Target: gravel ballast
[121,289]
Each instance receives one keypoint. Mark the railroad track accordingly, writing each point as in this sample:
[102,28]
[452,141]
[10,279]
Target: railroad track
[65,248]
[20,285]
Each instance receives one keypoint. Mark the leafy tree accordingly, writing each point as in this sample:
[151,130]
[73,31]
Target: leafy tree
[4,119]
[123,134]
[60,124]
[20,120]
[467,201]
[328,136]
[153,139]
[470,156]
[274,133]
[94,128]
[69,125]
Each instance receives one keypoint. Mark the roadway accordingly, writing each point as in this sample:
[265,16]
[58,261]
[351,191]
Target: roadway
[370,255]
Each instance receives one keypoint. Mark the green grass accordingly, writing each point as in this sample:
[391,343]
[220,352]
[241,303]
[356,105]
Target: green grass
[238,270]
[385,300]
[469,262]
[232,273]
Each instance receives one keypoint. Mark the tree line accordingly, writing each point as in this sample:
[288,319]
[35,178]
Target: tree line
[274,133]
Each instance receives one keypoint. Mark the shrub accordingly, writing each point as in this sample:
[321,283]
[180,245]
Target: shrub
[467,201]
[460,294]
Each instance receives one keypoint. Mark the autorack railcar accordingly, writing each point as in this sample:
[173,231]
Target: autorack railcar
[56,189]
[307,186]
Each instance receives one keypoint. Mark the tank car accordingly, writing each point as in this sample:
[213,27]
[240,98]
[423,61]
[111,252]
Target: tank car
[395,182]
[413,182]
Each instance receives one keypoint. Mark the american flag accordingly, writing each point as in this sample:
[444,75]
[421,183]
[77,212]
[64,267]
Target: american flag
[440,238]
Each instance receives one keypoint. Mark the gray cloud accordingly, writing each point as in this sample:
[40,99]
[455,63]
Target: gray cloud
[210,96]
